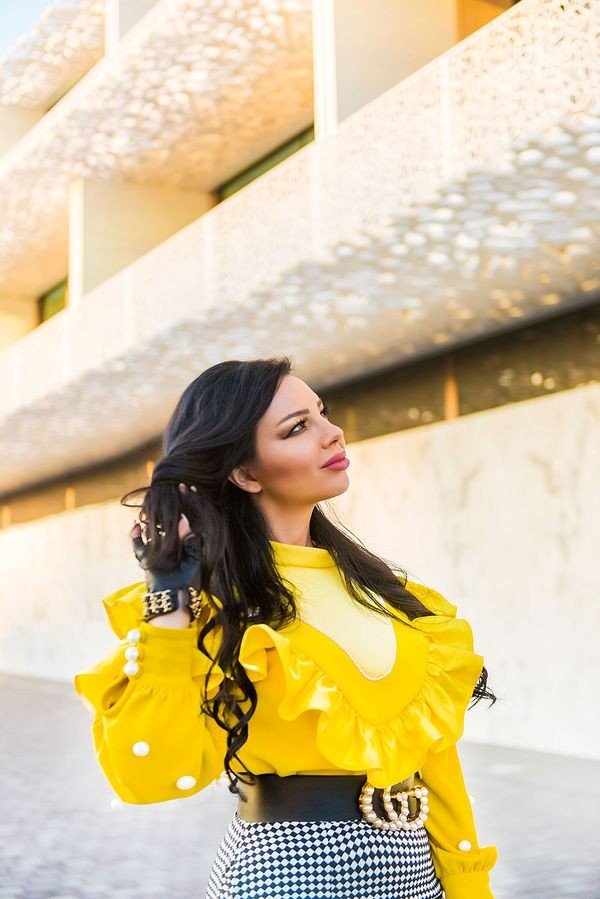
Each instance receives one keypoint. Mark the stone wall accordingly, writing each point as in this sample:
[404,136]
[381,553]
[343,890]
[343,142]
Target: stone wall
[498,510]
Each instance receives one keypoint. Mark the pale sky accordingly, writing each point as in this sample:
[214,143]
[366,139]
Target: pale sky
[17,17]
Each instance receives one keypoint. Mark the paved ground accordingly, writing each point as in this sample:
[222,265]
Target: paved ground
[61,837]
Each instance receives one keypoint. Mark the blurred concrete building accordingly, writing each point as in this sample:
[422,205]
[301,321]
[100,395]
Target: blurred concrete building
[403,197]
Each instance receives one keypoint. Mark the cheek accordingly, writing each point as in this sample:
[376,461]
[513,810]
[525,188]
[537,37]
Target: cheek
[288,460]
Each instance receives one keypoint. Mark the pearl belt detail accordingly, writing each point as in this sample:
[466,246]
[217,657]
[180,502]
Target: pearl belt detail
[395,820]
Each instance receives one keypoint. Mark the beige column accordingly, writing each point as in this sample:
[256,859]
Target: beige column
[120,17]
[15,121]
[364,47]
[112,225]
[475,14]
[18,316]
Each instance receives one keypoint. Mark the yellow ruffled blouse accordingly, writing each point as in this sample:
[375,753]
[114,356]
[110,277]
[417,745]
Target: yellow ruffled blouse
[341,690]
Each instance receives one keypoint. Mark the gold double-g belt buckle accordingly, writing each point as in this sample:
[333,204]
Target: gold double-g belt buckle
[395,820]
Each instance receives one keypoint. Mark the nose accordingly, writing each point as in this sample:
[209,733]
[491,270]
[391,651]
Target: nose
[336,434]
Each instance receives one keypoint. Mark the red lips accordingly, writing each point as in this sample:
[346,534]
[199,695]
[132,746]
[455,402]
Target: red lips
[337,458]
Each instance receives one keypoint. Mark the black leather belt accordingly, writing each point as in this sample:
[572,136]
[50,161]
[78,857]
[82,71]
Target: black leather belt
[306,797]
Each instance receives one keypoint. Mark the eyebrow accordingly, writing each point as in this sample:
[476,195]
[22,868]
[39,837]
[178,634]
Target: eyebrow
[299,412]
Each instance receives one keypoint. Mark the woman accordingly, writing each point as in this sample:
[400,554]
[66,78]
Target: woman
[267,645]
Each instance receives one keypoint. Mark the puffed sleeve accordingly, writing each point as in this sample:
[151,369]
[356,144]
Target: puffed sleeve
[460,863]
[150,737]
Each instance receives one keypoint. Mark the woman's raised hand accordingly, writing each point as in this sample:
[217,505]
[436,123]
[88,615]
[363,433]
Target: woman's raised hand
[179,578]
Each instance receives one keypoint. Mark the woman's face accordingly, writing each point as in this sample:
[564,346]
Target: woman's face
[294,441]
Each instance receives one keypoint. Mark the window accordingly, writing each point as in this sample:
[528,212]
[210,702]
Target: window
[263,165]
[53,301]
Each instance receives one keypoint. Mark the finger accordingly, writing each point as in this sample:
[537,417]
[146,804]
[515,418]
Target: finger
[182,488]
[195,489]
[139,548]
[183,527]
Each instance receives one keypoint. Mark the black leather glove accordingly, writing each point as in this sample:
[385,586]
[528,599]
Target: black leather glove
[164,587]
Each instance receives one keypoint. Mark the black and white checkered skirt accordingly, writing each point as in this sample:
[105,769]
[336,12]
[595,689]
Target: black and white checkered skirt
[321,860]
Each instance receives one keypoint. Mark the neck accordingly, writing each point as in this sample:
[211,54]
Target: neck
[292,538]
[292,528]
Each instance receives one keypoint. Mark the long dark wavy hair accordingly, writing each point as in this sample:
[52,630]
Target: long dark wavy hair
[212,431]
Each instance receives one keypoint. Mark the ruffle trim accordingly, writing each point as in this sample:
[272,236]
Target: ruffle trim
[389,752]
[124,609]
[432,721]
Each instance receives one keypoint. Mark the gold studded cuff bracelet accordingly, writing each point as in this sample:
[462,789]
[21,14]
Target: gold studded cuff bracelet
[194,602]
[161,602]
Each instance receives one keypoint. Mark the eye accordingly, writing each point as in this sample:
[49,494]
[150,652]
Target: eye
[326,411]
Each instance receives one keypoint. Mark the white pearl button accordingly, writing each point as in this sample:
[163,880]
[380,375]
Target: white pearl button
[132,653]
[134,635]
[131,668]
[464,846]
[140,748]
[186,782]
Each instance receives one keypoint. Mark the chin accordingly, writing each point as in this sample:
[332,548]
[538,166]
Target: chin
[337,491]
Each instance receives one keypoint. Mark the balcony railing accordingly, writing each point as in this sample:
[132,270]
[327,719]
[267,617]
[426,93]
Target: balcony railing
[191,97]
[460,202]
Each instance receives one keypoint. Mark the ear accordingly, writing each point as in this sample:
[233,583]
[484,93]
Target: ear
[243,479]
